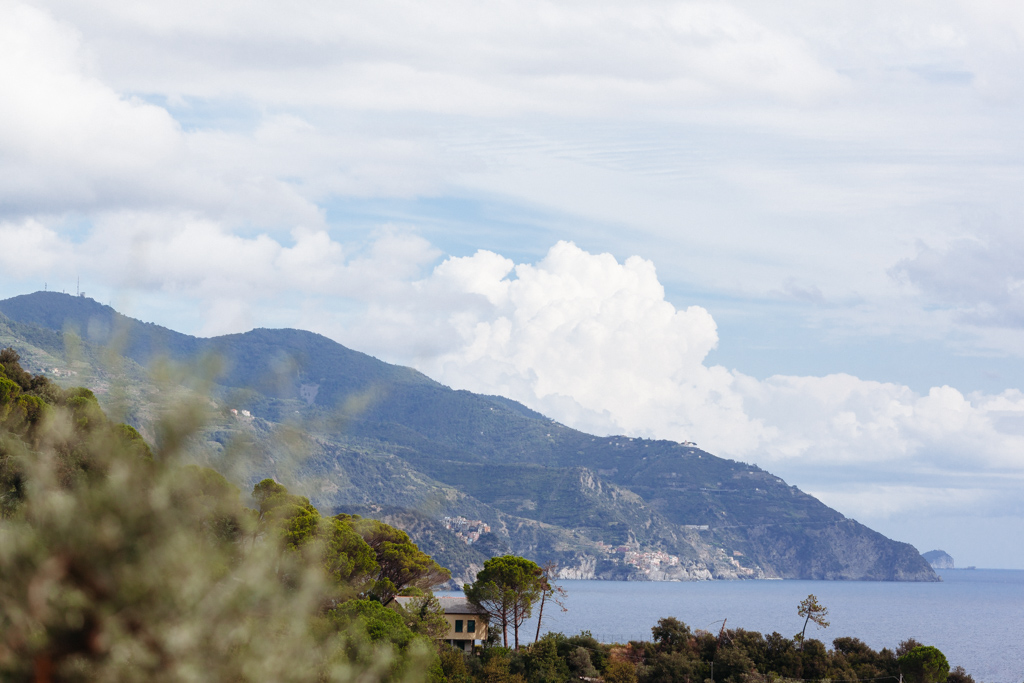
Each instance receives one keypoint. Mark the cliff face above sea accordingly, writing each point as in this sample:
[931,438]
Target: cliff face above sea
[467,475]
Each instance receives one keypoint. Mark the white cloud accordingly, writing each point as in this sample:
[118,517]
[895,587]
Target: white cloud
[583,333]
[30,249]
[593,342]
[647,58]
[61,128]
[455,56]
[386,100]
[199,259]
[71,142]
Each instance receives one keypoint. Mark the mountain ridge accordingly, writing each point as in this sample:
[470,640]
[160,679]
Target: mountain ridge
[551,491]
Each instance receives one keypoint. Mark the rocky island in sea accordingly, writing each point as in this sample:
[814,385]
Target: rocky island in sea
[939,559]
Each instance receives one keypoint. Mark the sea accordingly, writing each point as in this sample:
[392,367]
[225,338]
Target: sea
[975,616]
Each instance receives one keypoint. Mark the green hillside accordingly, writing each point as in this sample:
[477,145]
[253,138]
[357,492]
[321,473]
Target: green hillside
[352,432]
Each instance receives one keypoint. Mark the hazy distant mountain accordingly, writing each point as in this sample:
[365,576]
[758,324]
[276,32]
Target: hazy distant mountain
[385,440]
[938,559]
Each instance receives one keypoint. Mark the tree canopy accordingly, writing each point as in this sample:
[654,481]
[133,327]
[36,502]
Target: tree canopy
[400,563]
[505,589]
[811,610]
[924,664]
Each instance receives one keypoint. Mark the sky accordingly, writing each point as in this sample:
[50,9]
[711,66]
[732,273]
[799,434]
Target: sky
[789,232]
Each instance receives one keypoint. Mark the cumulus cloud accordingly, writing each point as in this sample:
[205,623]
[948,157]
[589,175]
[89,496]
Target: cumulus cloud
[594,343]
[584,333]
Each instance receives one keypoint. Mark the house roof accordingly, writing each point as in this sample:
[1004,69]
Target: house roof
[452,605]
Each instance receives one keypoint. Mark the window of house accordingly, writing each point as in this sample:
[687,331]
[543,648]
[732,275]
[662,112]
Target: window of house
[471,626]
[458,625]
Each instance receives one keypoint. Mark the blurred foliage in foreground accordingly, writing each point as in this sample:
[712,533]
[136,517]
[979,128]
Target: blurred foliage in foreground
[120,563]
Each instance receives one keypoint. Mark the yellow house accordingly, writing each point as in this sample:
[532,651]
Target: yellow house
[467,625]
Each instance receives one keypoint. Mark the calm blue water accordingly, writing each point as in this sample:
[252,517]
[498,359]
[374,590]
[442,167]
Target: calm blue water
[976,617]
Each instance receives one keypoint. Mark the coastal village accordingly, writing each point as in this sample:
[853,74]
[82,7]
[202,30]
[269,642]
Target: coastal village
[647,562]
[467,530]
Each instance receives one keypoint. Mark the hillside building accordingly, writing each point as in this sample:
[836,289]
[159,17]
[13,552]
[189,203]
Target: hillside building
[467,625]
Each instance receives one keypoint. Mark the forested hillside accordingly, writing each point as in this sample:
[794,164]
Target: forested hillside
[354,433]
